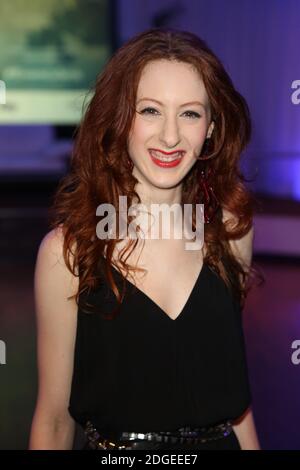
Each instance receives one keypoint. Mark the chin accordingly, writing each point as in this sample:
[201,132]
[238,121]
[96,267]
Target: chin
[167,184]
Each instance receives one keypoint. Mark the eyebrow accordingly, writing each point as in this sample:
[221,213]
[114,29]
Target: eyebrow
[181,106]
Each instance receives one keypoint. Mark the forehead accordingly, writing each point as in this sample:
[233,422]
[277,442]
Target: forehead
[167,80]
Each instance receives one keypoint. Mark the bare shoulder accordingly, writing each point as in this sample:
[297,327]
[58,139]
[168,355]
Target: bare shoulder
[50,262]
[52,244]
[243,247]
[51,247]
[54,287]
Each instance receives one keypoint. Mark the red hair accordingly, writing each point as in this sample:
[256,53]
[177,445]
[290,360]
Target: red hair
[99,172]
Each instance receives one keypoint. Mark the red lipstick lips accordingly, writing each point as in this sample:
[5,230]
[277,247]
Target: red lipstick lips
[166,163]
[168,153]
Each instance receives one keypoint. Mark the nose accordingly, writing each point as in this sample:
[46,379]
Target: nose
[169,133]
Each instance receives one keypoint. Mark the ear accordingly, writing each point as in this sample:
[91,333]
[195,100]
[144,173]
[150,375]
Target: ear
[210,129]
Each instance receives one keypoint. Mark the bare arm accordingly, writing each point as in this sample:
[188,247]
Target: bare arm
[245,431]
[52,426]
[244,426]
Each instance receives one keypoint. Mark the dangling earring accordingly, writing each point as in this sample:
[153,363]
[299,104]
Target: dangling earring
[211,203]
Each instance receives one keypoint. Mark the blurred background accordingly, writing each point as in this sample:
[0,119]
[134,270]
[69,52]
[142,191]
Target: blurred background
[50,54]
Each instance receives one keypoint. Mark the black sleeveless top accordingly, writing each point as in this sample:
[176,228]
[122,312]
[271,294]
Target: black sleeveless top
[143,371]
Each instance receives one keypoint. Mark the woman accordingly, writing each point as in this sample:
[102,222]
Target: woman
[138,334]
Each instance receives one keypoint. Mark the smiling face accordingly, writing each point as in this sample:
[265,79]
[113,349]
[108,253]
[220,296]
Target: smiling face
[172,114]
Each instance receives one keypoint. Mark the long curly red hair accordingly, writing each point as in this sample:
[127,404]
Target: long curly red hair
[99,171]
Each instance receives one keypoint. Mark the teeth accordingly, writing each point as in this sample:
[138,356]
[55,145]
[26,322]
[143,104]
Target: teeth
[165,158]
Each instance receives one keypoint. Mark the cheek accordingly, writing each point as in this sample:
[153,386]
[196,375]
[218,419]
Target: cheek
[137,139]
[140,132]
[197,138]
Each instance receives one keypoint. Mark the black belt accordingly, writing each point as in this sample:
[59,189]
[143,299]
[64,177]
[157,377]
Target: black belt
[184,435]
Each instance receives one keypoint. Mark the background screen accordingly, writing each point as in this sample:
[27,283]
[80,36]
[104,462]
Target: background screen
[51,52]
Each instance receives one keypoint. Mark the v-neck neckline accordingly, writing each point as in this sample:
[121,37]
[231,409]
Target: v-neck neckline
[158,307]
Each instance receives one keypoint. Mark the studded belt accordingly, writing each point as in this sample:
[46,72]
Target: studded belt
[184,435]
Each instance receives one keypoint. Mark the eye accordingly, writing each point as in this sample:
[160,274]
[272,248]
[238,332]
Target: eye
[151,111]
[193,114]
[147,111]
